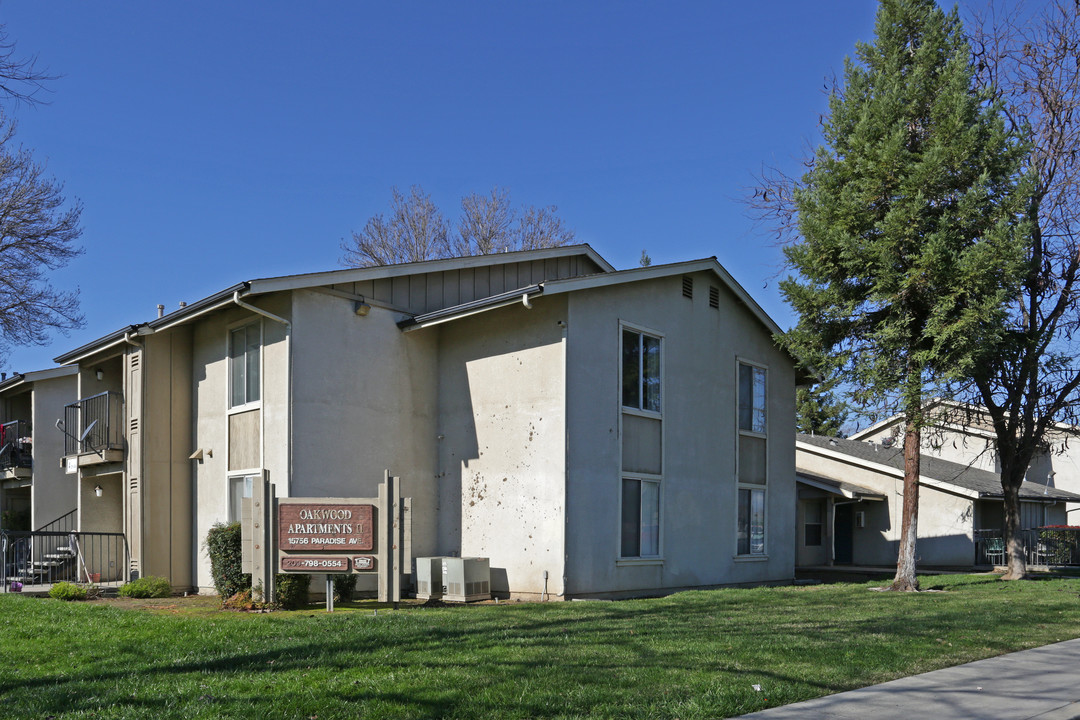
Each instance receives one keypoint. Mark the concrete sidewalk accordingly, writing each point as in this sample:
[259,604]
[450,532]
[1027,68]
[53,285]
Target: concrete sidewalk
[1043,683]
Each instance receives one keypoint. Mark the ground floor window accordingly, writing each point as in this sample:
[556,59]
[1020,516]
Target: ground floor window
[812,523]
[751,536]
[239,488]
[640,518]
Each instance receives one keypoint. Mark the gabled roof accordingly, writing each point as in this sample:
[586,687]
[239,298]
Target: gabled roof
[606,277]
[957,416]
[585,282]
[17,379]
[934,472]
[262,286]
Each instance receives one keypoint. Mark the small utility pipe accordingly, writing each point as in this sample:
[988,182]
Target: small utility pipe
[289,354]
[525,301]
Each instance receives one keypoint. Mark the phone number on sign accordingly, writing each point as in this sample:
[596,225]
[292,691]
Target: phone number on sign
[315,564]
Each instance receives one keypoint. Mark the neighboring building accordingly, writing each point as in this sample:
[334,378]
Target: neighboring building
[851,497]
[964,434]
[35,492]
[592,432]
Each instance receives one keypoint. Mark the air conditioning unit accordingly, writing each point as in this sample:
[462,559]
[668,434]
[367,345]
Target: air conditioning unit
[466,579]
[860,519]
[429,583]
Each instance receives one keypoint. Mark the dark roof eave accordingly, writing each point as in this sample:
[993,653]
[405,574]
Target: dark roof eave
[170,319]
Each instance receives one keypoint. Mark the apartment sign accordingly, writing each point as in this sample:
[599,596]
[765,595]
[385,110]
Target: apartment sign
[318,527]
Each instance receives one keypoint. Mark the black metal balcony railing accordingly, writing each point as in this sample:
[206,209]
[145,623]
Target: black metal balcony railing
[1042,546]
[15,445]
[94,424]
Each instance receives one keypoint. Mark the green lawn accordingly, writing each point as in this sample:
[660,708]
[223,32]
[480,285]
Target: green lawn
[690,655]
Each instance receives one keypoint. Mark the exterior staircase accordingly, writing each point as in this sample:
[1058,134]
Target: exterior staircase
[42,565]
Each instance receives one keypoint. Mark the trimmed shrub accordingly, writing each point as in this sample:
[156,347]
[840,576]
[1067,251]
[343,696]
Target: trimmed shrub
[292,590]
[146,587]
[67,591]
[344,587]
[226,555]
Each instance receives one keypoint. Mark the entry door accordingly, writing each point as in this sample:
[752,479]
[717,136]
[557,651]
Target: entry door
[843,529]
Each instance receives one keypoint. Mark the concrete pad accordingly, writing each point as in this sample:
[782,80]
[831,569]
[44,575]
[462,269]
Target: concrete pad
[1041,683]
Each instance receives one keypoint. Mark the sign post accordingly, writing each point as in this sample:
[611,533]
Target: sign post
[343,535]
[256,538]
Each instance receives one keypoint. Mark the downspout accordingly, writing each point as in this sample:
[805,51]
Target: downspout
[289,360]
[566,450]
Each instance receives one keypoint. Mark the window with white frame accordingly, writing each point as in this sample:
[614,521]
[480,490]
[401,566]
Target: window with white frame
[640,370]
[239,488]
[244,349]
[751,459]
[640,518]
[639,494]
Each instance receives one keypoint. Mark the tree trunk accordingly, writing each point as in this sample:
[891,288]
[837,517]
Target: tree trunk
[905,565]
[1014,546]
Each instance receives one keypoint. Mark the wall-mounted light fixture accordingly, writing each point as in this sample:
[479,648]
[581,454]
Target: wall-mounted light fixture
[100,374]
[97,490]
[362,308]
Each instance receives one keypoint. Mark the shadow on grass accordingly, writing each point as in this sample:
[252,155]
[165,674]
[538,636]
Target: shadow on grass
[696,654]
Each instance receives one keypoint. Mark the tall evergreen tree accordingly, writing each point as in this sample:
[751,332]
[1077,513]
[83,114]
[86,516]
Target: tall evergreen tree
[909,244]
[818,411]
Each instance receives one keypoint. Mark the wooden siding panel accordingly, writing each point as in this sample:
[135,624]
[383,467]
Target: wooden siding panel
[400,291]
[244,441]
[482,282]
[642,445]
[384,290]
[435,295]
[466,289]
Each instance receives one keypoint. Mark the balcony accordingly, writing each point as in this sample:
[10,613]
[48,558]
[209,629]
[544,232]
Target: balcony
[15,450]
[93,429]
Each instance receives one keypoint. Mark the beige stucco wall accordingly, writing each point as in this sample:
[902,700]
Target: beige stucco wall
[701,350]
[54,491]
[364,401]
[975,450]
[945,524]
[209,412]
[502,439]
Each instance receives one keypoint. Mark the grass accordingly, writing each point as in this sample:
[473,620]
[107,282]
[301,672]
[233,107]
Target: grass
[690,655]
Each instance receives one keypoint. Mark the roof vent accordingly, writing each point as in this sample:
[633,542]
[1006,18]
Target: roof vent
[687,286]
[160,310]
[714,297]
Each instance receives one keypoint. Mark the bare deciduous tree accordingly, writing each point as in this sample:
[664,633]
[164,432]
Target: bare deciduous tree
[20,79]
[416,230]
[1032,62]
[486,223]
[37,234]
[38,229]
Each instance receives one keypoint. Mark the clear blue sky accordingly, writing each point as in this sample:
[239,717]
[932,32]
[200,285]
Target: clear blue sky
[217,142]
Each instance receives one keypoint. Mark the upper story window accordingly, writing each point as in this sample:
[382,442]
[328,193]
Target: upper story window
[752,460]
[640,371]
[751,398]
[244,350]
